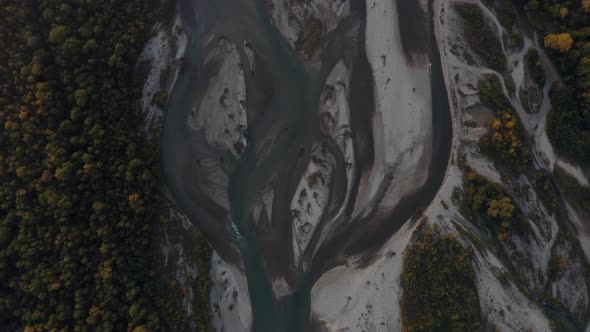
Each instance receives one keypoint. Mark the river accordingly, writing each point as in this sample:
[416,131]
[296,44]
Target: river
[292,107]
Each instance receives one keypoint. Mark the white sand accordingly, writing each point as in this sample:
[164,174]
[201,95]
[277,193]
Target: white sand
[230,301]
[481,164]
[402,124]
[544,228]
[250,55]
[336,116]
[350,299]
[281,288]
[368,299]
[221,114]
[571,288]
[506,308]
[280,14]
[311,197]
[336,119]
[404,114]
[267,199]
[159,55]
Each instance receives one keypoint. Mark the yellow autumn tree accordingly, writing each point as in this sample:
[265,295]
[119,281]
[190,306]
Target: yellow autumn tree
[22,171]
[586,5]
[562,42]
[133,198]
[501,208]
[563,12]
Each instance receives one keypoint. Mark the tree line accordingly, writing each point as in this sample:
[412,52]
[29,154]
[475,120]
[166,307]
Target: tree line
[78,183]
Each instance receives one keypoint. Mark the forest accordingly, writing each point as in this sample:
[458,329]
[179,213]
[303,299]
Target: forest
[79,186]
[564,29]
[439,288]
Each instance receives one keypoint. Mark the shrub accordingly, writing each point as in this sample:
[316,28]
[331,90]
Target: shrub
[480,36]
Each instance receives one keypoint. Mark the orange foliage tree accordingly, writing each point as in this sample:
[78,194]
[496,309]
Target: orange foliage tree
[561,42]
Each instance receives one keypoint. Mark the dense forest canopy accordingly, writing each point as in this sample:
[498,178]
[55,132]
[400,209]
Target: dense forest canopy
[78,184]
[439,288]
[565,33]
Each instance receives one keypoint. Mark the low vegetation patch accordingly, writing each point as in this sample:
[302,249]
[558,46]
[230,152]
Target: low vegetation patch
[160,98]
[516,39]
[568,125]
[506,13]
[534,68]
[177,283]
[309,39]
[490,93]
[439,288]
[480,36]
[545,191]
